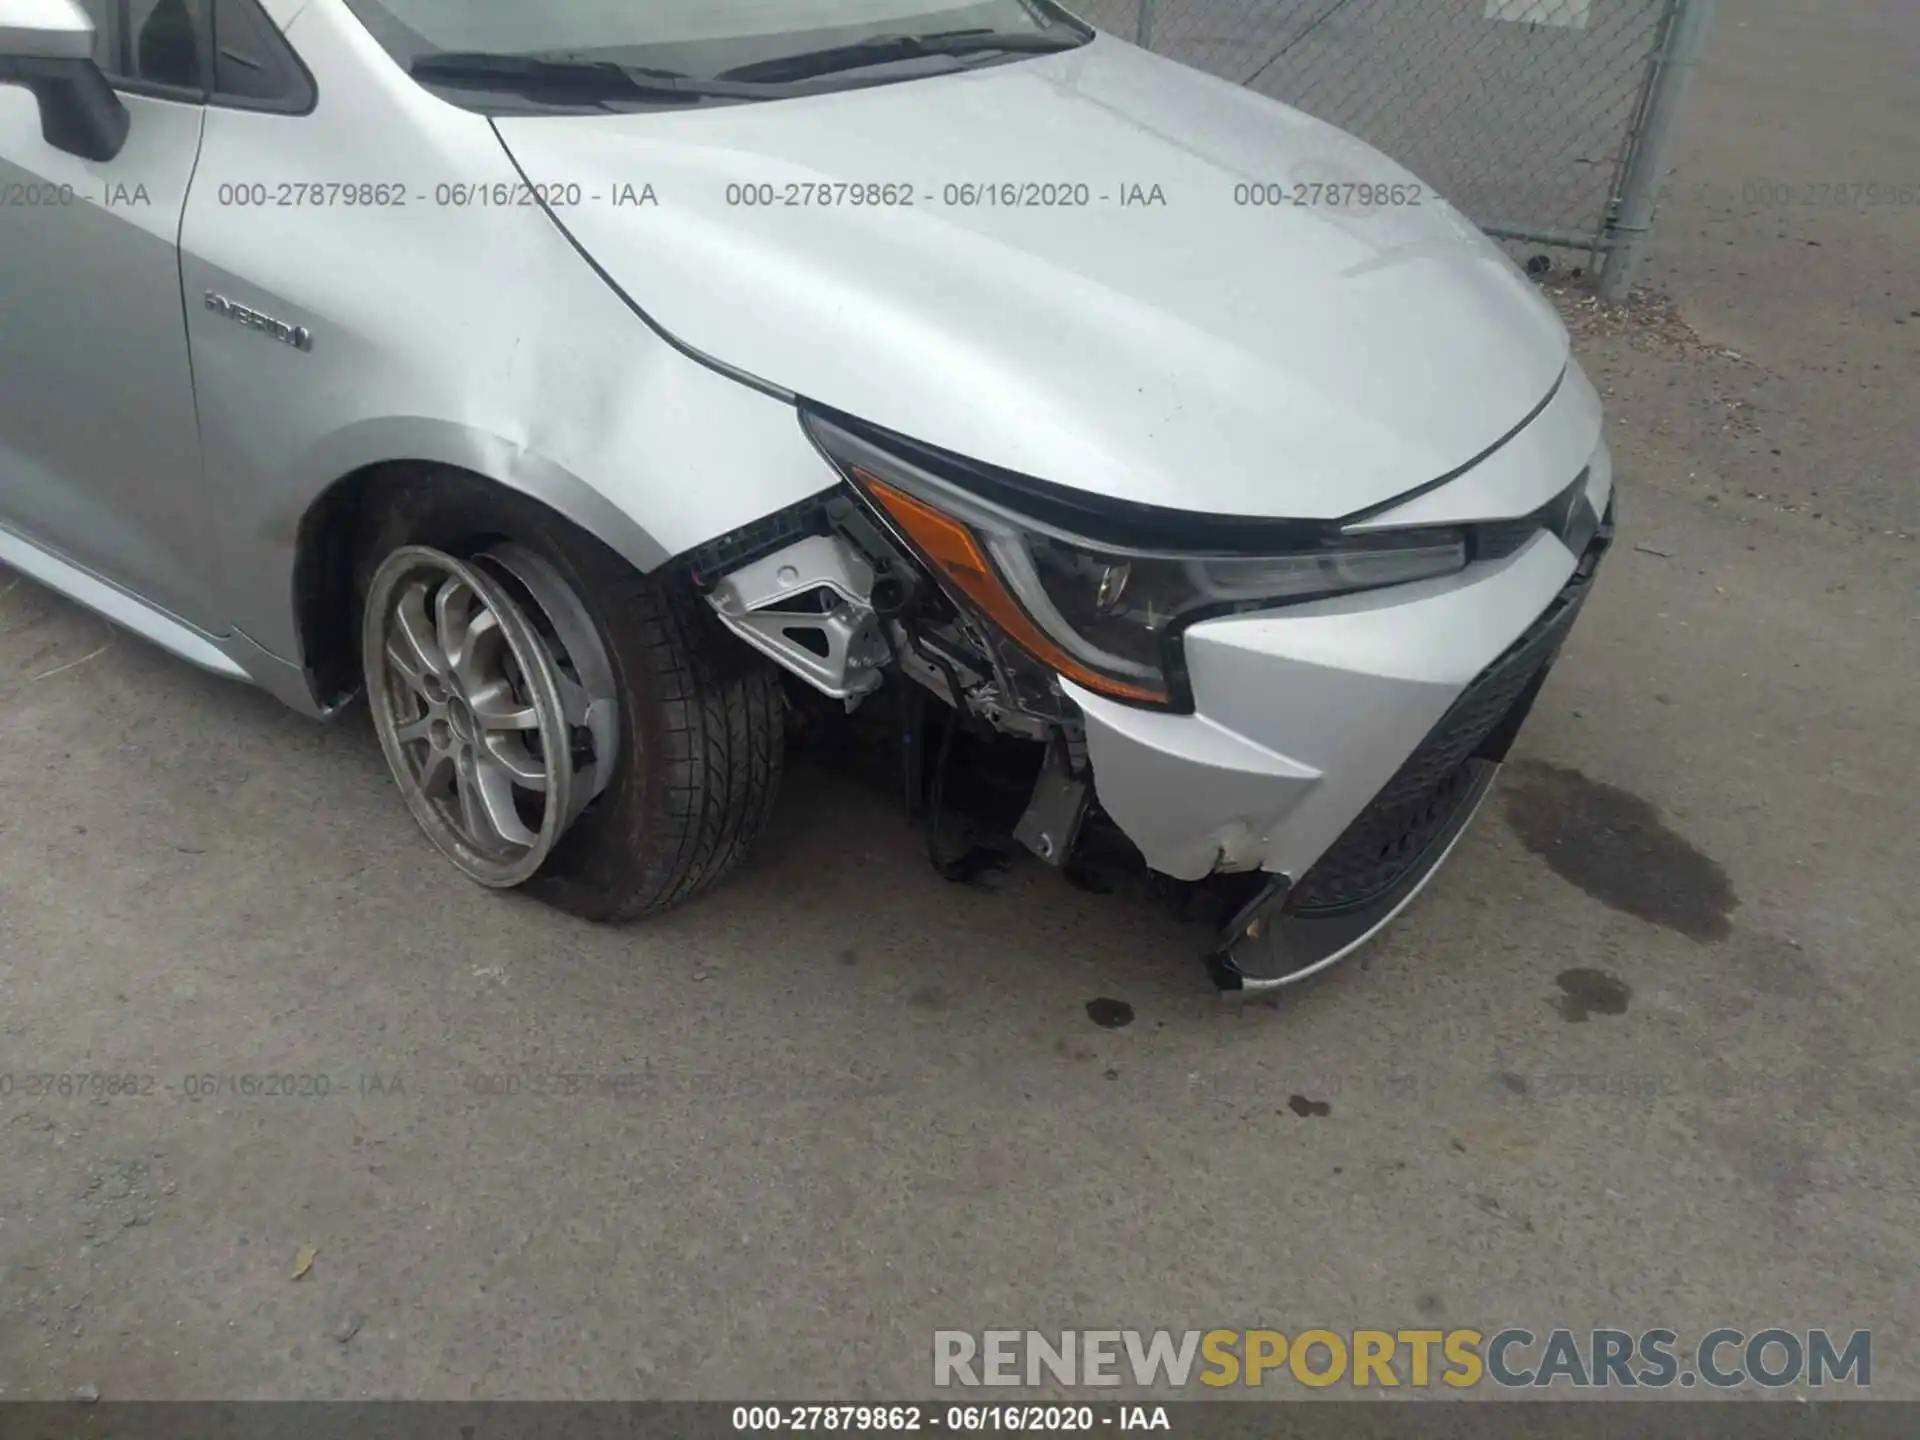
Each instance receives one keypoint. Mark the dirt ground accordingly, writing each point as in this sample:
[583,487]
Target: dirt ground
[1642,1056]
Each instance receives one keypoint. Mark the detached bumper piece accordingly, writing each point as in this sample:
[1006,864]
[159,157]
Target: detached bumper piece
[1289,932]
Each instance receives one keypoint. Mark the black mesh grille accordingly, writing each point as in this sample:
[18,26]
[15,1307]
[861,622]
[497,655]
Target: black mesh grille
[1392,834]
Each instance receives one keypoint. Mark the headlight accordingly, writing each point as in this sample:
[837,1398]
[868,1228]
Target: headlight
[1113,611]
[1100,613]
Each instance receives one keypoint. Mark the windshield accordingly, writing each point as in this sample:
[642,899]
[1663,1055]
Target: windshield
[701,38]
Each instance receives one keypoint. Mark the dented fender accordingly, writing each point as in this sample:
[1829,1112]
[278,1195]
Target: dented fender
[468,336]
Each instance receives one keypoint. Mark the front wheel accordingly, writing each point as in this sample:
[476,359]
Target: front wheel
[554,718]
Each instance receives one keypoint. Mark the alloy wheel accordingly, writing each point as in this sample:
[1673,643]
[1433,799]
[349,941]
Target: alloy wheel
[496,714]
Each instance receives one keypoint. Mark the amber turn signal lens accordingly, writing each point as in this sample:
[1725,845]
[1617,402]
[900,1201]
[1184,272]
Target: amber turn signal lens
[950,548]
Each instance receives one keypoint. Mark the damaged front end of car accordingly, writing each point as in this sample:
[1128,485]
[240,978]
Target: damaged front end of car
[1054,628]
[864,589]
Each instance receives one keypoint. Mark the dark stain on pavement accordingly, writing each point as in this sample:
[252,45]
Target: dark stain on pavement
[1591,992]
[1110,1014]
[1304,1107]
[1613,845]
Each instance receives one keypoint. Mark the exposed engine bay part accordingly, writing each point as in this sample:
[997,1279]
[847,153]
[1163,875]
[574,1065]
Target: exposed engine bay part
[807,606]
[943,658]
[1051,826]
[830,593]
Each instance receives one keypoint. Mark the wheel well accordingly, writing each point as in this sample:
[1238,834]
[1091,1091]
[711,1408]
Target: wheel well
[325,603]
[334,536]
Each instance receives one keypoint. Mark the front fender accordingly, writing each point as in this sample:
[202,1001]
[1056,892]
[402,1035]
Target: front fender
[473,337]
[690,457]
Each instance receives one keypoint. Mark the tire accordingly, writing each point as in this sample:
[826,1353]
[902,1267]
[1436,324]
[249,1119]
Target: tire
[700,745]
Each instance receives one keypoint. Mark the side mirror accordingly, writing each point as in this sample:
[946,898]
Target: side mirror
[47,46]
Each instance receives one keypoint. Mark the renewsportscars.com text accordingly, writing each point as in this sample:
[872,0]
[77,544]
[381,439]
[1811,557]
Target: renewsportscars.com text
[1513,1358]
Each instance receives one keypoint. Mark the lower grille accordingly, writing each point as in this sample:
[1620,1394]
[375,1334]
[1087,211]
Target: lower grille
[1393,834]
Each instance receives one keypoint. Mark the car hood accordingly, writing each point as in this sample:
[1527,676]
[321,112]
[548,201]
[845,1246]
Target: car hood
[1165,342]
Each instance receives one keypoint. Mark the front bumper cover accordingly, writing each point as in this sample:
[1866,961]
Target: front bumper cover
[1383,766]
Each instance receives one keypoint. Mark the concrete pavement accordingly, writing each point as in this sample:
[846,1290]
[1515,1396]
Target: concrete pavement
[1643,1055]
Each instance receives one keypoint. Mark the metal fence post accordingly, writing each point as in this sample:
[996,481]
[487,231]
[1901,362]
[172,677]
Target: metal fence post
[1686,43]
[1143,35]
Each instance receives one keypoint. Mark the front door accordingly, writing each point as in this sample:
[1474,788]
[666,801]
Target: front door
[99,445]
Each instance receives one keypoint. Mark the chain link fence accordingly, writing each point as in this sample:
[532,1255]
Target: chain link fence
[1535,117]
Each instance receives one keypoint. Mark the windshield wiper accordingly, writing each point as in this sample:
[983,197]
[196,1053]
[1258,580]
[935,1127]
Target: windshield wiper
[881,49]
[568,75]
